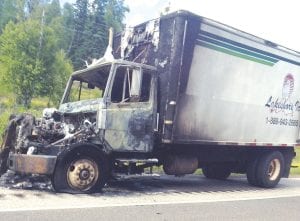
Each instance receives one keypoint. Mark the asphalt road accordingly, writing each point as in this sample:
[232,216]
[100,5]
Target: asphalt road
[160,198]
[267,209]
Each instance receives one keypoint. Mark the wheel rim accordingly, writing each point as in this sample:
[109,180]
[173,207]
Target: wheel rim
[82,174]
[274,169]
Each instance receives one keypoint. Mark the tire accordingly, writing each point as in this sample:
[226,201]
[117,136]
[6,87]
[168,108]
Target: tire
[81,172]
[216,171]
[252,171]
[269,170]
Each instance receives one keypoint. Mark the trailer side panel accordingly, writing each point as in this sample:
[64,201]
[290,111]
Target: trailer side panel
[240,90]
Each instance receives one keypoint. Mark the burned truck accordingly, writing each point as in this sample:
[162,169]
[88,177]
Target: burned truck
[182,92]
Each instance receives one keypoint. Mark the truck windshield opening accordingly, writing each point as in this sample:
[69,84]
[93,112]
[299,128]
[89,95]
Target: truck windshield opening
[88,85]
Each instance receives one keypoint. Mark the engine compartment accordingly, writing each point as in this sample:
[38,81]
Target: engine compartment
[51,133]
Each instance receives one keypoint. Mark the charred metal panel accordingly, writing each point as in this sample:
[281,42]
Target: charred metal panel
[192,30]
[139,43]
[81,106]
[15,137]
[32,164]
[171,54]
[183,39]
[151,52]
[129,127]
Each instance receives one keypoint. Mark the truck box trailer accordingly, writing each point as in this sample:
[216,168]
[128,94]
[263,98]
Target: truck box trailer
[181,91]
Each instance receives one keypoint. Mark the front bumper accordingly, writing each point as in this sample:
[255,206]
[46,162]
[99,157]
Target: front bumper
[32,164]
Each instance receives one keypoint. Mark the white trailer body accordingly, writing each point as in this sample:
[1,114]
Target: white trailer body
[241,90]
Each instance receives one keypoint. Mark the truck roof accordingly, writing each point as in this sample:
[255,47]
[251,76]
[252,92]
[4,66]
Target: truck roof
[231,29]
[107,62]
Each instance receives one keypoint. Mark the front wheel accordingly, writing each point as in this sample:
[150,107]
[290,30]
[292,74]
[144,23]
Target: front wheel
[80,172]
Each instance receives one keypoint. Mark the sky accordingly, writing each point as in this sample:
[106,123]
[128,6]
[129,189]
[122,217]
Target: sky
[274,20]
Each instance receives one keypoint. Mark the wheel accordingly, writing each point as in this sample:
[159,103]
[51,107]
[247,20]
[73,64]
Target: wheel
[80,172]
[269,170]
[252,171]
[216,171]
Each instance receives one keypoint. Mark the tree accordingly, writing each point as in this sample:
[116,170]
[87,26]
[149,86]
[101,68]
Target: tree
[61,69]
[68,25]
[27,59]
[92,20]
[11,10]
[115,14]
[80,20]
[53,11]
[35,31]
[18,57]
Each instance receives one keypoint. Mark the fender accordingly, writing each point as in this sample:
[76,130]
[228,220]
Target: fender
[81,148]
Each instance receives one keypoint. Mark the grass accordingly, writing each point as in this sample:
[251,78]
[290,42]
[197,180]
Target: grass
[296,162]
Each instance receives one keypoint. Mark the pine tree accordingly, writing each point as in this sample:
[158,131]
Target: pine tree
[68,25]
[11,10]
[91,24]
[52,11]
[80,20]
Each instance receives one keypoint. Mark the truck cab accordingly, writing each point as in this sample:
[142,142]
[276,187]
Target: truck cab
[107,110]
[122,95]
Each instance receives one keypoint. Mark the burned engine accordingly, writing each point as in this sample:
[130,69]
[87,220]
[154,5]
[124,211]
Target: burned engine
[53,132]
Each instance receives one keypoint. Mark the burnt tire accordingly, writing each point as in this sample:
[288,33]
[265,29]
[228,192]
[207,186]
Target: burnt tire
[216,171]
[252,171]
[269,169]
[81,172]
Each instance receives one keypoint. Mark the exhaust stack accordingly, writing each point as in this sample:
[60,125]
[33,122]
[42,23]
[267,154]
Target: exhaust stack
[110,37]
[108,53]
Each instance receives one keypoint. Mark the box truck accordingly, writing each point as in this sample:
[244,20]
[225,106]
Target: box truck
[182,92]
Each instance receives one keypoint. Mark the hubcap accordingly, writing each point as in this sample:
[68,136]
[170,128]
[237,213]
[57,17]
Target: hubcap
[274,169]
[82,174]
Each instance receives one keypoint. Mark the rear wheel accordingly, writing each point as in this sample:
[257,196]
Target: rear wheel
[269,170]
[81,172]
[216,171]
[252,171]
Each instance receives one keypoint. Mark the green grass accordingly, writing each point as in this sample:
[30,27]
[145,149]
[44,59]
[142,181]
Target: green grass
[296,162]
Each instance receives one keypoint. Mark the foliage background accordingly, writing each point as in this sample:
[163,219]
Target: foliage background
[42,42]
